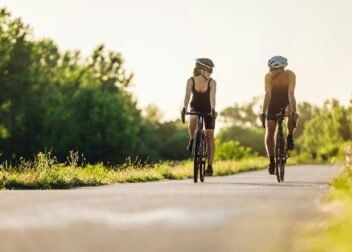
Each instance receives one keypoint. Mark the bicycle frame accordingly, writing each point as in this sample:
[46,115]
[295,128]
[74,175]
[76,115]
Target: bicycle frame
[199,149]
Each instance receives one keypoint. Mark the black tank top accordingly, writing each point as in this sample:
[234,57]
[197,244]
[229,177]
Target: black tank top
[200,100]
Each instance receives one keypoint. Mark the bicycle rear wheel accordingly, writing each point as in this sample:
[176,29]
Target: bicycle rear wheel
[197,158]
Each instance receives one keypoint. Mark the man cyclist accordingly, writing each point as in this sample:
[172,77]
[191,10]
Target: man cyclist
[203,90]
[279,93]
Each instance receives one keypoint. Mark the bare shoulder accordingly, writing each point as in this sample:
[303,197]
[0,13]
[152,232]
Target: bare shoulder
[213,82]
[189,81]
[290,73]
[268,77]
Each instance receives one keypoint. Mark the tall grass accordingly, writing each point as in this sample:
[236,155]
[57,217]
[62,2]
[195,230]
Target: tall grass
[46,173]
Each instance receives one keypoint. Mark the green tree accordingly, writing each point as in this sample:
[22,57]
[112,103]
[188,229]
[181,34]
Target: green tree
[59,101]
[243,115]
[327,130]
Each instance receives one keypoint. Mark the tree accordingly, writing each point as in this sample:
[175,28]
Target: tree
[243,115]
[327,130]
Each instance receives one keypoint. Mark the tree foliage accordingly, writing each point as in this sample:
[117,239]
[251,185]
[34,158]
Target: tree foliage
[329,127]
[60,101]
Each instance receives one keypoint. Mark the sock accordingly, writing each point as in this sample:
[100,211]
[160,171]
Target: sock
[289,136]
[272,160]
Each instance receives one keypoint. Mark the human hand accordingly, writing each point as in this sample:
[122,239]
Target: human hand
[262,119]
[214,114]
[183,115]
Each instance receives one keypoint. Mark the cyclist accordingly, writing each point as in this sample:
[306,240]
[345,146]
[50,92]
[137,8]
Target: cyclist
[279,93]
[203,90]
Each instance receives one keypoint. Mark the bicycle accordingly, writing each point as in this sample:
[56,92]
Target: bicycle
[281,151]
[199,148]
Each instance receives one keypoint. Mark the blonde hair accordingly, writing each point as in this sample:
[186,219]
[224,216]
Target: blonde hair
[196,71]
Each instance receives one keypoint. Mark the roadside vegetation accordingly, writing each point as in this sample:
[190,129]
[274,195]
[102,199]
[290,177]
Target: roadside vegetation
[45,173]
[334,233]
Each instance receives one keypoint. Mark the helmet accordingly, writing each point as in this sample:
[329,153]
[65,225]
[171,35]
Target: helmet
[204,63]
[277,62]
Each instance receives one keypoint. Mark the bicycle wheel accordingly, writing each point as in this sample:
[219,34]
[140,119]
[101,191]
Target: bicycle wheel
[282,170]
[197,158]
[277,159]
[277,169]
[283,158]
[202,157]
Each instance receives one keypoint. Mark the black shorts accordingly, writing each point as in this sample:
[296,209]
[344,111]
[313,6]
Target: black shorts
[208,120]
[274,109]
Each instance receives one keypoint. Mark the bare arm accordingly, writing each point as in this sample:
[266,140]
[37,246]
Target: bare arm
[212,94]
[267,97]
[188,93]
[291,91]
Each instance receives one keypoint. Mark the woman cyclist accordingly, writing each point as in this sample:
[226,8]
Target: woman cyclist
[203,90]
[279,93]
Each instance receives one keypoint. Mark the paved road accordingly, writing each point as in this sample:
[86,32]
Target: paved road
[244,212]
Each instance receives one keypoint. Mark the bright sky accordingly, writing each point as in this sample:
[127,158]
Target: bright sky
[159,40]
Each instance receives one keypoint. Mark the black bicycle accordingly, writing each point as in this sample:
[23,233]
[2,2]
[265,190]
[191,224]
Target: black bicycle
[281,151]
[199,148]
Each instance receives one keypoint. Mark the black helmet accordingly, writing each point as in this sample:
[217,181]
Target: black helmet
[204,63]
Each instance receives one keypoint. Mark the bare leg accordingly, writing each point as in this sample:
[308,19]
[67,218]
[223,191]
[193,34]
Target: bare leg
[269,137]
[192,126]
[209,134]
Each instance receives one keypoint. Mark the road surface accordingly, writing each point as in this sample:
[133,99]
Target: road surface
[244,212]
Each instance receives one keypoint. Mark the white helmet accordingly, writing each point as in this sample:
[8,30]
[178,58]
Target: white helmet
[277,62]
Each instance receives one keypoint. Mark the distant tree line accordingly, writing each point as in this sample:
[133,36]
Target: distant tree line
[320,132]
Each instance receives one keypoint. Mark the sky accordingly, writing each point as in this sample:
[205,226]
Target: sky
[160,40]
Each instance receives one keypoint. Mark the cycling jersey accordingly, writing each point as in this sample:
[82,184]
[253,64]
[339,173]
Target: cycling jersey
[279,89]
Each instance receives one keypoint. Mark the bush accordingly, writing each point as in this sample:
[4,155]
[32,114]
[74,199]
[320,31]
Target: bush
[232,150]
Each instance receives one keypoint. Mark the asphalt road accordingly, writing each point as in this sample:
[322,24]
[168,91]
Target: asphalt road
[244,212]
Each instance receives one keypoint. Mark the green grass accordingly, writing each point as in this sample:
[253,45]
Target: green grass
[335,233]
[45,173]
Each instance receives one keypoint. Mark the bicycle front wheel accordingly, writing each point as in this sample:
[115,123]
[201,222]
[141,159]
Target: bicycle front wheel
[277,169]
[282,169]
[277,160]
[202,151]
[197,158]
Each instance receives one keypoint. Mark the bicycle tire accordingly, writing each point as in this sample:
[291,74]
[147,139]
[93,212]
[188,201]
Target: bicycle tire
[202,159]
[283,159]
[282,170]
[197,160]
[277,159]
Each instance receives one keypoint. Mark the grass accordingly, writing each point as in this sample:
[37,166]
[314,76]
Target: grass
[46,173]
[335,233]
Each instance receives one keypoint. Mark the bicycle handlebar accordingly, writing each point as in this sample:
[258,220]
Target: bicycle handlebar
[198,113]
